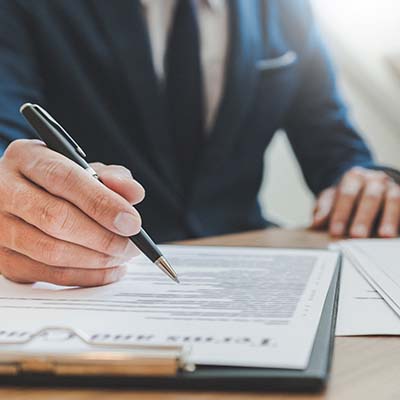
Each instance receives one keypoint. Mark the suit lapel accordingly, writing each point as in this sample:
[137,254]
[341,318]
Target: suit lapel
[133,53]
[240,80]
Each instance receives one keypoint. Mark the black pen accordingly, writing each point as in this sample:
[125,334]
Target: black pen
[57,139]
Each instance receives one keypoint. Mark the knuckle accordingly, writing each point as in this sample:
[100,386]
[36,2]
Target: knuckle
[394,192]
[374,189]
[15,148]
[18,193]
[55,218]
[110,243]
[50,251]
[347,195]
[100,205]
[350,187]
[61,276]
[328,193]
[57,175]
[381,176]
[356,171]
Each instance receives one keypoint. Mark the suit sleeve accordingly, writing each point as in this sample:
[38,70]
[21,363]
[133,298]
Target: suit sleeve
[20,81]
[318,128]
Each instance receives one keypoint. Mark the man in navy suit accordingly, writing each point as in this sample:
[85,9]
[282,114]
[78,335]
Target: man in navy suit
[187,96]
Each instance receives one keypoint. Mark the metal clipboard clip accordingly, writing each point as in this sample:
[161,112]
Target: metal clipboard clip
[46,352]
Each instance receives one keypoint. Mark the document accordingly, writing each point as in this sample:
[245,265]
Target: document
[247,307]
[362,310]
[378,260]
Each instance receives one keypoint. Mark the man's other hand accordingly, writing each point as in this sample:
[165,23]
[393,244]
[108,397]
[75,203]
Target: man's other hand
[58,224]
[366,202]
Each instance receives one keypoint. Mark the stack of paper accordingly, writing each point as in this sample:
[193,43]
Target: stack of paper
[234,306]
[370,288]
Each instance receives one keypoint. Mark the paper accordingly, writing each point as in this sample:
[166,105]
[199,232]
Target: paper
[378,260]
[362,310]
[234,306]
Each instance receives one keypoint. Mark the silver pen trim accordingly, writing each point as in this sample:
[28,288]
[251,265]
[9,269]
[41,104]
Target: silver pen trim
[161,262]
[92,172]
[165,266]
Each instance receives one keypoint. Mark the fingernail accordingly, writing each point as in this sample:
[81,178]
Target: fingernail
[337,228]
[126,223]
[359,230]
[388,230]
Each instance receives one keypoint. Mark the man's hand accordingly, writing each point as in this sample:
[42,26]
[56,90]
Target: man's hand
[363,201]
[58,224]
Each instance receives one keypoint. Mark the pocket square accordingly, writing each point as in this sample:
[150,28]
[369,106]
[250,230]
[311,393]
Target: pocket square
[283,61]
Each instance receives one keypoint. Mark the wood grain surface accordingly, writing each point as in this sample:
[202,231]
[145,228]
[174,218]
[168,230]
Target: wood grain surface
[365,368]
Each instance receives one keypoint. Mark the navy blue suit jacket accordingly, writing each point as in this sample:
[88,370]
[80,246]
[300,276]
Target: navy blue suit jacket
[89,63]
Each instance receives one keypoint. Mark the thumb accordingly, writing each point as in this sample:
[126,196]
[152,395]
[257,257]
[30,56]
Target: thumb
[323,208]
[120,180]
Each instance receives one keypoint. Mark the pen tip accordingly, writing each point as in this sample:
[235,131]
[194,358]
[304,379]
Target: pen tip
[165,266]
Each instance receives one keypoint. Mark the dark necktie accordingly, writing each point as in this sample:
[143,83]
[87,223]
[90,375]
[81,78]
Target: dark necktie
[183,89]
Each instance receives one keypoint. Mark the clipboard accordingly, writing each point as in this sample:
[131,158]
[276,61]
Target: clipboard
[136,366]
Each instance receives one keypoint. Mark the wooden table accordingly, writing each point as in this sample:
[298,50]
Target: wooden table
[363,368]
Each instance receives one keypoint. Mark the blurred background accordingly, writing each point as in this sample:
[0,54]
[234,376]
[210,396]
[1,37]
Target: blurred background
[363,37]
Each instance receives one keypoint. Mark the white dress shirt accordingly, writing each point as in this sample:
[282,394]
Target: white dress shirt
[213,30]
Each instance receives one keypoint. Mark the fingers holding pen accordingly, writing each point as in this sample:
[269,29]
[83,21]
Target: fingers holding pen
[59,224]
[35,244]
[62,220]
[22,269]
[67,180]
[120,180]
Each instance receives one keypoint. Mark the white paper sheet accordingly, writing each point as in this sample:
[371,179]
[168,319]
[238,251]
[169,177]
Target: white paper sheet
[378,260]
[235,306]
[362,310]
